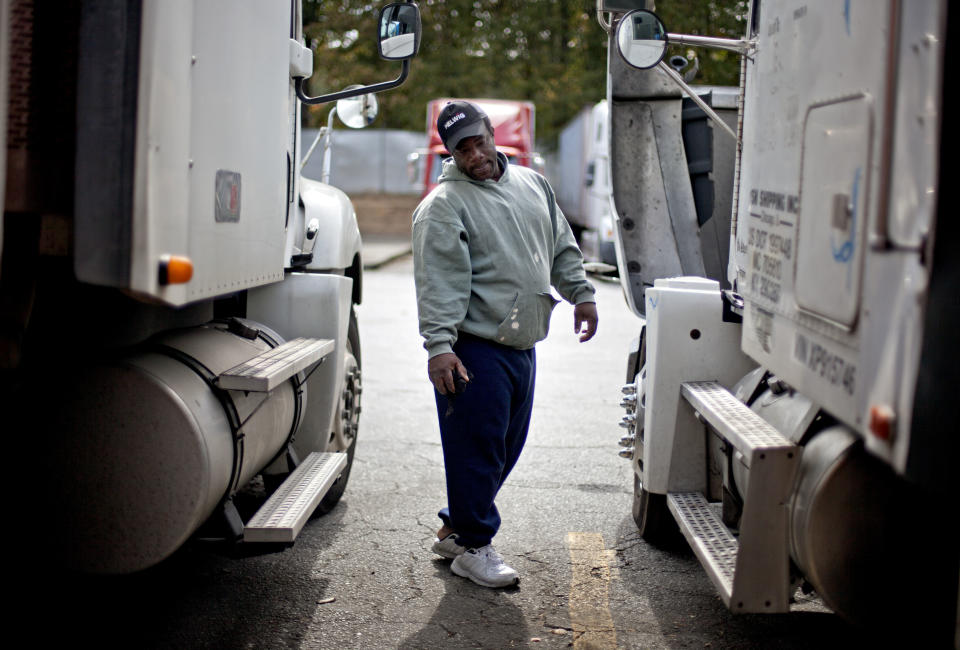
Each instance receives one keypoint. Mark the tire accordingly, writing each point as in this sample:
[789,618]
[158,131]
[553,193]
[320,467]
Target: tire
[347,419]
[650,513]
[653,519]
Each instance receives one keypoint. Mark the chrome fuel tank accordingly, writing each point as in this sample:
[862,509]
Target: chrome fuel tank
[146,446]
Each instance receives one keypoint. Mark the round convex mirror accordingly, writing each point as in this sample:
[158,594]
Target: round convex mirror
[641,39]
[357,112]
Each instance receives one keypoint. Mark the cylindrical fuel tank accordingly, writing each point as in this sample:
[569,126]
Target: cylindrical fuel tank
[146,446]
[868,542]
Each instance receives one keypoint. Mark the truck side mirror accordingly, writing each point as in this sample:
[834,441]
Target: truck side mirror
[399,31]
[399,25]
[641,39]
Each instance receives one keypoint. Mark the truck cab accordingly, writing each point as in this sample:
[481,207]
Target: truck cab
[177,313]
[780,405]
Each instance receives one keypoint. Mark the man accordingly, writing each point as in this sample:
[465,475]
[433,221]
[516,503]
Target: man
[488,243]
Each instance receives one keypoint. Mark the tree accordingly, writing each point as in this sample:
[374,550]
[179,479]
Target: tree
[723,18]
[551,52]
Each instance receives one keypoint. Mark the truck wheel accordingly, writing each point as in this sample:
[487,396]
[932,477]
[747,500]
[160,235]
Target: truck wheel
[652,517]
[344,434]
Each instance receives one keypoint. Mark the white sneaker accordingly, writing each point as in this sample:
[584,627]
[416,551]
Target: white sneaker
[447,547]
[485,567]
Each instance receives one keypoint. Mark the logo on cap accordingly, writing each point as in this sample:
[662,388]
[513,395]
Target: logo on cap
[453,120]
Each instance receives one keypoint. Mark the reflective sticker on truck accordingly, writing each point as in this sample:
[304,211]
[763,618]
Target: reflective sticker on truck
[227,203]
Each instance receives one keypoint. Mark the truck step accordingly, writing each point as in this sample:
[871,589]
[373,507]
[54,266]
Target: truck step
[282,517]
[269,369]
[748,432]
[751,572]
[709,538]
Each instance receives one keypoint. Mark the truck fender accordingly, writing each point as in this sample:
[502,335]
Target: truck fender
[338,236]
[687,340]
[314,305]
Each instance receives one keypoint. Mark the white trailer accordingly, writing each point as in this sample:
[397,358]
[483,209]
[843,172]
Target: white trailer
[582,181]
[176,303]
[796,429]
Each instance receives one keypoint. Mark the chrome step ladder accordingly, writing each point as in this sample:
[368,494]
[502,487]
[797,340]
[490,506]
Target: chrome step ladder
[284,514]
[752,573]
[271,368]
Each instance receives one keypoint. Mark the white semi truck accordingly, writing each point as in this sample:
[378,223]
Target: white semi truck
[582,181]
[176,302]
[791,414]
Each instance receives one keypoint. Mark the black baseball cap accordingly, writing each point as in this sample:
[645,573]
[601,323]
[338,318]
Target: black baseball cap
[459,120]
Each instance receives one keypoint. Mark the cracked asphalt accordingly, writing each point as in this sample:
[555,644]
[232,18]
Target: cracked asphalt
[363,575]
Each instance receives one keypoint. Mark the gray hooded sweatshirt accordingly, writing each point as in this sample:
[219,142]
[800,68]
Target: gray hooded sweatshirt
[485,255]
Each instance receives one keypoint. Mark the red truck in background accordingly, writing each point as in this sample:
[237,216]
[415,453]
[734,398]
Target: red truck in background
[513,126]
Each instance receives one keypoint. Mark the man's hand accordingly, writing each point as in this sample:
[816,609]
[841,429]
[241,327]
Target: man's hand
[585,314]
[440,369]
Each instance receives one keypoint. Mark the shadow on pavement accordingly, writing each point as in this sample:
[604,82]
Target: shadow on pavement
[687,611]
[197,598]
[471,616]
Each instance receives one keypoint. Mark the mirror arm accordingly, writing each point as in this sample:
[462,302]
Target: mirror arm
[306,156]
[353,92]
[325,135]
[673,74]
[327,146]
[738,45]
[604,22]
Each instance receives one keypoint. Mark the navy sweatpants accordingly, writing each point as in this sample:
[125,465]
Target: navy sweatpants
[484,434]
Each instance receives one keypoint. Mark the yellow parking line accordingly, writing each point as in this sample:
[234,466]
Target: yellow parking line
[589,593]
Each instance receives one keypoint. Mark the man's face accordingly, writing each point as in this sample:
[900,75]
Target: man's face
[476,157]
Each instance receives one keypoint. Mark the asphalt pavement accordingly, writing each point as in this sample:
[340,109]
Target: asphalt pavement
[363,575]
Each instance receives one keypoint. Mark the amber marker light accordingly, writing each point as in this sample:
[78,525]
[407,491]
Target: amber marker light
[881,421]
[174,269]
